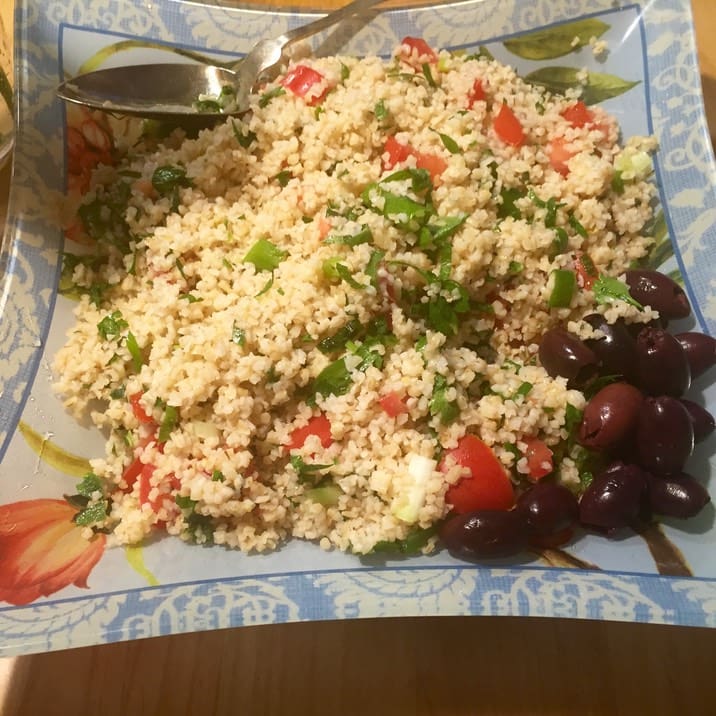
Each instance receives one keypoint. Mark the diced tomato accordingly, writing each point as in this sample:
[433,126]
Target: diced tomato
[587,273]
[145,488]
[131,473]
[578,114]
[318,425]
[559,155]
[397,152]
[539,459]
[415,51]
[393,404]
[476,94]
[508,127]
[301,79]
[434,164]
[324,227]
[487,487]
[138,409]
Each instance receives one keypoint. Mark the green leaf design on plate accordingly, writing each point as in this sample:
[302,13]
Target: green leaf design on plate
[95,61]
[662,249]
[54,455]
[6,90]
[135,559]
[556,41]
[598,87]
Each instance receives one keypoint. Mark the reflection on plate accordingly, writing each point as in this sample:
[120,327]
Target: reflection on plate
[84,593]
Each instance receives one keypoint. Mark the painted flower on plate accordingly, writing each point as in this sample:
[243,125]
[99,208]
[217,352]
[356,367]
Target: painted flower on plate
[42,550]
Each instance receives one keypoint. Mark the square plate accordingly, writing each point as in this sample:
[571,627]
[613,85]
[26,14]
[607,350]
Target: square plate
[169,587]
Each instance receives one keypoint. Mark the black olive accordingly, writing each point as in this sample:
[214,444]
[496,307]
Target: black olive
[701,420]
[655,289]
[677,496]
[610,417]
[564,354]
[549,509]
[664,435]
[615,497]
[662,367]
[485,534]
[616,351]
[700,351]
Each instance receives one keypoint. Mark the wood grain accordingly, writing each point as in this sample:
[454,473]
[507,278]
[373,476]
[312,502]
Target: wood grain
[422,666]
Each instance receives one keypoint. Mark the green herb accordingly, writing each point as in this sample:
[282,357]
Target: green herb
[523,390]
[564,285]
[364,236]
[428,74]
[180,268]
[184,502]
[574,223]
[266,287]
[450,144]
[439,405]
[344,273]
[283,177]
[96,512]
[413,544]
[617,183]
[207,105]
[572,418]
[306,470]
[371,270]
[507,207]
[267,96]
[118,393]
[217,476]
[169,422]
[227,264]
[104,220]
[512,448]
[168,178]
[265,256]
[189,297]
[515,267]
[244,139]
[238,335]
[345,72]
[134,351]
[89,484]
[608,290]
[560,243]
[112,325]
[338,340]
[380,110]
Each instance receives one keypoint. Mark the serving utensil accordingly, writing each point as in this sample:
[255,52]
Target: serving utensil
[176,90]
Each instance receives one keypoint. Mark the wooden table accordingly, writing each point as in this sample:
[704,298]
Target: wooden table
[399,666]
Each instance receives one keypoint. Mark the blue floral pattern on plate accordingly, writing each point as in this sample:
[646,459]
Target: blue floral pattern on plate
[652,42]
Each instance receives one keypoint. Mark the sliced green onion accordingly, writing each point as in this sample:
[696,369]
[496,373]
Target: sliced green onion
[169,422]
[135,351]
[563,285]
[265,256]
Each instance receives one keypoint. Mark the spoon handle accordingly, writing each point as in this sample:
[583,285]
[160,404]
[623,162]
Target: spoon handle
[299,33]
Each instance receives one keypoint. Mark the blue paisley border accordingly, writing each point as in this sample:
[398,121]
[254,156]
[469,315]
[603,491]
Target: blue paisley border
[29,264]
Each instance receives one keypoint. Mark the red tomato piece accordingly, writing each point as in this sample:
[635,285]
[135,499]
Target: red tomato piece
[587,273]
[508,127]
[415,51]
[300,80]
[578,114]
[393,404]
[138,409]
[131,473]
[318,425]
[559,155]
[476,94]
[397,152]
[433,163]
[487,487]
[539,458]
[145,488]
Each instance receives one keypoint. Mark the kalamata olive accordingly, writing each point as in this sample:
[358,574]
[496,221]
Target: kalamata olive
[614,498]
[485,534]
[610,417]
[677,496]
[701,420]
[564,354]
[657,290]
[548,509]
[664,435]
[662,367]
[700,351]
[616,351]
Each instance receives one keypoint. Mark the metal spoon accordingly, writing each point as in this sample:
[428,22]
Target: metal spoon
[162,91]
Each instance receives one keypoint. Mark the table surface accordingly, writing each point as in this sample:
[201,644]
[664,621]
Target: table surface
[400,666]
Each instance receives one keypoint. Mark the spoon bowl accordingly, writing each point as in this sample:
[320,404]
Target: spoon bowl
[180,90]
